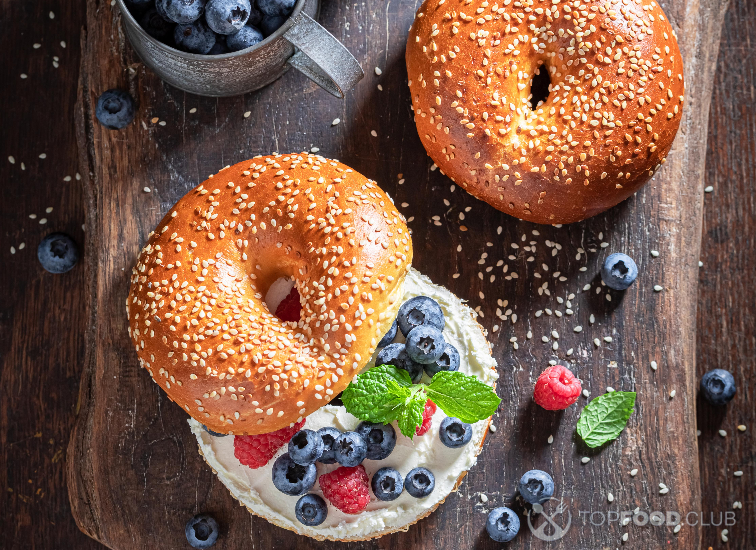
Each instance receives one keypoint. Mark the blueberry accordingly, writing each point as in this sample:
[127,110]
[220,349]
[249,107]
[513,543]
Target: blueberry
[219,48]
[387,484]
[396,354]
[425,344]
[454,433]
[292,479]
[211,432]
[201,531]
[154,25]
[502,524]
[181,11]
[389,336]
[161,11]
[58,253]
[619,271]
[419,482]
[115,109]
[255,15]
[718,387]
[329,436]
[276,7]
[420,310]
[194,38]
[305,447]
[449,361]
[311,510]
[271,23]
[350,449]
[247,37]
[536,487]
[380,439]
[227,16]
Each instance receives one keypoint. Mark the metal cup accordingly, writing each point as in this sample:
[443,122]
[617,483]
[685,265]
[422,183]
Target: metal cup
[300,43]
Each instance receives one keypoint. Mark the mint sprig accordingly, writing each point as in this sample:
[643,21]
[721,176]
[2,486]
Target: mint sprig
[604,418]
[386,393]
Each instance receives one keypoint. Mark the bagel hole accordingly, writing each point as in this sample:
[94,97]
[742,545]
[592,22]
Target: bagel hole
[282,300]
[540,87]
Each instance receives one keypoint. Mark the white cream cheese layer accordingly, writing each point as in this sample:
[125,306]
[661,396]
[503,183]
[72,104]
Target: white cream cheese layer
[255,490]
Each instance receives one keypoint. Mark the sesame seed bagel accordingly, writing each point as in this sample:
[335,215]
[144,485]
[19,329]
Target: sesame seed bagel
[196,311]
[613,108]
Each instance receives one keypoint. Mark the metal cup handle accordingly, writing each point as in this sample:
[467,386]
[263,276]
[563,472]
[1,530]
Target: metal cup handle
[321,57]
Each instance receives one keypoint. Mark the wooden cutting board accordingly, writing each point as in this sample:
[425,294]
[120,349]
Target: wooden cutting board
[134,473]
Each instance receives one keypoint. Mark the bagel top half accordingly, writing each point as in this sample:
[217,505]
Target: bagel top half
[614,103]
[196,312]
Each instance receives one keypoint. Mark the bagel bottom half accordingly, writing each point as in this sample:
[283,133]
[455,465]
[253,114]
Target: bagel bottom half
[254,489]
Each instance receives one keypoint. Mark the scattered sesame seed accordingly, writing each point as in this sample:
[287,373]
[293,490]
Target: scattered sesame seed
[380,88]
[247,113]
[147,190]
[335,121]
[700,263]
[43,221]
[655,253]
[586,393]
[597,342]
[67,178]
[724,535]
[677,528]
[634,472]
[742,428]
[672,394]
[739,473]
[43,156]
[48,209]
[13,249]
[52,15]
[11,159]
[483,498]
[62,43]
[492,428]
[161,123]
[33,216]
[654,365]
[709,189]
[658,288]
[378,71]
[664,490]
[585,460]
[610,497]
[22,246]
[36,45]
[373,133]
[609,389]
[608,339]
[625,537]
[578,329]
[550,440]
[193,110]
[23,75]
[723,433]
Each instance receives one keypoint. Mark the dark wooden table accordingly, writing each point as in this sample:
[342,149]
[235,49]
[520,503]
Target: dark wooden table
[43,318]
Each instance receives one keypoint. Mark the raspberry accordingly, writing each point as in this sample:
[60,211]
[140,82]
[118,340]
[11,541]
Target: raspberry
[347,488]
[556,388]
[256,451]
[428,412]
[289,309]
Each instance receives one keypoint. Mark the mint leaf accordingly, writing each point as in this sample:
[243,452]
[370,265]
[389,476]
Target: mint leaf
[411,415]
[465,397]
[379,394]
[604,418]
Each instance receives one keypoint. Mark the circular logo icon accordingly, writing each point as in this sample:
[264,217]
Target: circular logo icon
[555,522]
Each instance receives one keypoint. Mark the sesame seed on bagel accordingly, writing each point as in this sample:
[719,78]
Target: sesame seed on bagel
[197,316]
[549,110]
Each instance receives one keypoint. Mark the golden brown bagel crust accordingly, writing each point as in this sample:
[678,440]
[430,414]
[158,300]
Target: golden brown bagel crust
[196,311]
[606,127]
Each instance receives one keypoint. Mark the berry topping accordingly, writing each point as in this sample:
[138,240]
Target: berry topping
[227,16]
[619,271]
[211,432]
[419,482]
[387,484]
[201,531]
[311,510]
[396,354]
[346,488]
[194,37]
[182,11]
[389,336]
[247,37]
[58,253]
[556,388]
[428,412]
[448,361]
[276,7]
[290,308]
[292,479]
[418,311]
[256,451]
[718,386]
[536,487]
[502,524]
[305,447]
[425,344]
[454,433]
[380,439]
[350,449]
[329,436]
[115,109]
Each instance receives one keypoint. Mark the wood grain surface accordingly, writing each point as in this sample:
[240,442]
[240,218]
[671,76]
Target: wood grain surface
[153,478]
